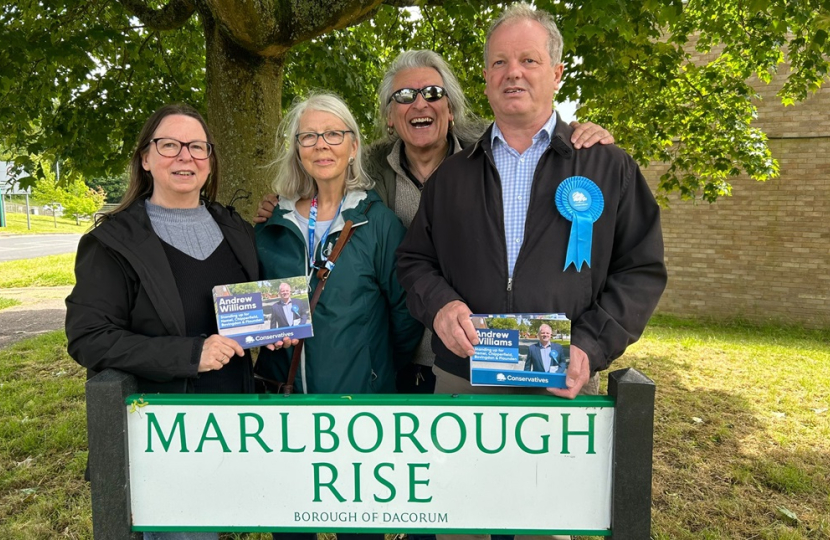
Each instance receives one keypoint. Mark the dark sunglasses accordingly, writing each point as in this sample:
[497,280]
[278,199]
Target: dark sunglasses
[408,95]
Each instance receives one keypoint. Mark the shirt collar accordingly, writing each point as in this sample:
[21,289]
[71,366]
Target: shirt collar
[546,133]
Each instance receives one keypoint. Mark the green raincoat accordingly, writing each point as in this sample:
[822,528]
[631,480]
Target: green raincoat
[363,331]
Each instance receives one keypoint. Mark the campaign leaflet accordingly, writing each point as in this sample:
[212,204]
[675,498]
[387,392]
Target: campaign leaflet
[521,349]
[262,312]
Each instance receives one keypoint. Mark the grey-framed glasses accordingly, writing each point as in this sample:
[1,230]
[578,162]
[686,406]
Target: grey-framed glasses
[332,136]
[172,148]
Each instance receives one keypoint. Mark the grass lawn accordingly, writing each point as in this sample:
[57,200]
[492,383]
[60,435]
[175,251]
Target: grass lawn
[8,302]
[49,271]
[16,224]
[742,430]
[742,434]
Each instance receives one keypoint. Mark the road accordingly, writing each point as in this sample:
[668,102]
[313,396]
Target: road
[28,246]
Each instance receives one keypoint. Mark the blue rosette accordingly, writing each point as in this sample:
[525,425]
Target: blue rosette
[580,201]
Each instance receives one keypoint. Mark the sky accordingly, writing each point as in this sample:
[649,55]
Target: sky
[567,110]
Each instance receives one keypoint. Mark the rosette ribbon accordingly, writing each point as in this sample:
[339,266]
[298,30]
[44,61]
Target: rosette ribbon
[580,201]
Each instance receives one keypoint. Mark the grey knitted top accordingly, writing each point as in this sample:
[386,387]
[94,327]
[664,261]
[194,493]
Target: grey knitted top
[190,230]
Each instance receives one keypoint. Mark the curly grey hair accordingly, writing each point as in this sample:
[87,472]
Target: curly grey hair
[292,180]
[466,126]
[524,11]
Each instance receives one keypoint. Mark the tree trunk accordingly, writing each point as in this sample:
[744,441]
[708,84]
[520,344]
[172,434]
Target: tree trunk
[244,100]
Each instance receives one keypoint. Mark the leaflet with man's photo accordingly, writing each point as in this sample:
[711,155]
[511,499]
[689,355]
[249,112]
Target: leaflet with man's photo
[521,349]
[262,312]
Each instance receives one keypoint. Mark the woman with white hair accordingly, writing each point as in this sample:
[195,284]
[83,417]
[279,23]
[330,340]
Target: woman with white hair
[362,329]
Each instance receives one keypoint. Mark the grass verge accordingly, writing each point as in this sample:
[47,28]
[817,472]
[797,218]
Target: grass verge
[16,224]
[742,434]
[742,430]
[49,271]
[8,302]
[42,442]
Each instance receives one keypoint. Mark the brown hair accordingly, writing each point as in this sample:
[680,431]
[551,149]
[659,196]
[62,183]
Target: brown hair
[141,181]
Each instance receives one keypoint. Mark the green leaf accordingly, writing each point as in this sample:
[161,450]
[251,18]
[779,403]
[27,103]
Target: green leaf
[787,516]
[757,5]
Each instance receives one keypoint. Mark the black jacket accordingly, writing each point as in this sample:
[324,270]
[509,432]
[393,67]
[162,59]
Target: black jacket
[455,248]
[125,311]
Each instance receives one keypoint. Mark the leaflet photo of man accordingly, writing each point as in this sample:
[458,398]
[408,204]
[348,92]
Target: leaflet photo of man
[288,311]
[545,356]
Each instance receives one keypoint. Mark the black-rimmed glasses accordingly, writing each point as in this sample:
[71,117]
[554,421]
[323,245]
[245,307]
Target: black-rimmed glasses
[172,148]
[408,95]
[332,136]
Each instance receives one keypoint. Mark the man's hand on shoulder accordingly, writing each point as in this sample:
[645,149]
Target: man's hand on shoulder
[579,371]
[266,208]
[588,134]
[453,326]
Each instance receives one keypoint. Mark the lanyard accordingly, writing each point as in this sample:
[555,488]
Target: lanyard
[312,224]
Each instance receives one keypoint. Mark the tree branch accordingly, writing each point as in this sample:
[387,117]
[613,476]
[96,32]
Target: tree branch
[426,14]
[272,27]
[170,17]
[317,17]
[164,57]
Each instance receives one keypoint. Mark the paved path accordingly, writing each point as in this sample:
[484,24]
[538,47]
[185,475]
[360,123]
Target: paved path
[42,310]
[27,246]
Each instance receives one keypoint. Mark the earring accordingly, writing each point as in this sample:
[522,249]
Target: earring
[390,130]
[452,124]
[351,160]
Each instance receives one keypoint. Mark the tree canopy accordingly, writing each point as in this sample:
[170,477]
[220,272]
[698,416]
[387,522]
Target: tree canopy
[77,79]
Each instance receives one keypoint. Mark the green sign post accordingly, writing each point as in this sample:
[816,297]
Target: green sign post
[2,208]
[372,463]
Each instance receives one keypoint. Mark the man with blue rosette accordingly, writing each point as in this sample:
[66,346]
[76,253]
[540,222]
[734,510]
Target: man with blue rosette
[545,356]
[523,222]
[287,311]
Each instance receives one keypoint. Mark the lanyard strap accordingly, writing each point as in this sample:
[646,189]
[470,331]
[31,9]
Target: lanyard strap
[312,224]
[323,276]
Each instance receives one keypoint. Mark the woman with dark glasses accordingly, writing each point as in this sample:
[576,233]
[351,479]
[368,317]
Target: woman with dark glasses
[142,301]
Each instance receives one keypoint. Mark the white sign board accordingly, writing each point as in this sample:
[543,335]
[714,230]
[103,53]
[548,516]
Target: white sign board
[383,463]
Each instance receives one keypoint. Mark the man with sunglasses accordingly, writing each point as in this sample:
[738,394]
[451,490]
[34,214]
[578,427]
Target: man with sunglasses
[494,231]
